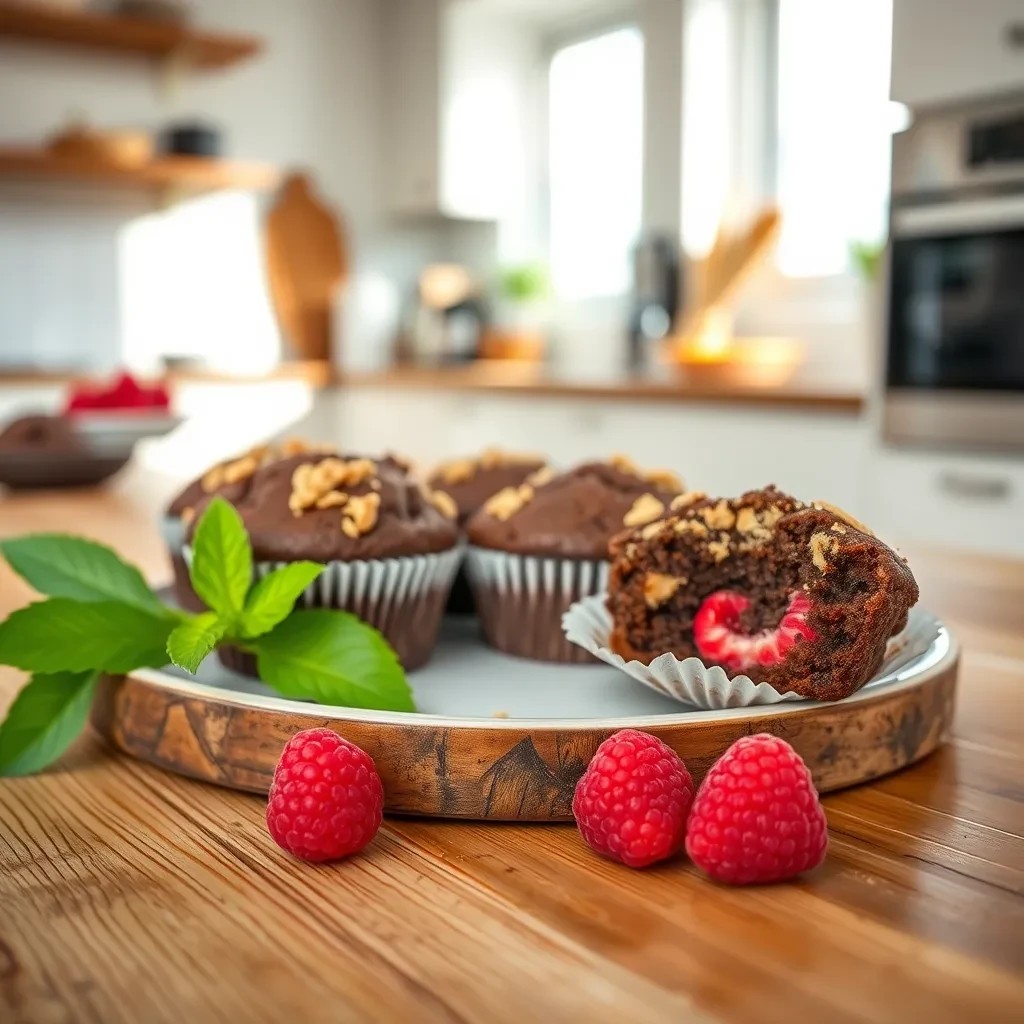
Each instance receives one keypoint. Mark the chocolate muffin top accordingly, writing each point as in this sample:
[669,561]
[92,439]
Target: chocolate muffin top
[39,433]
[471,481]
[227,478]
[801,596]
[326,507]
[573,514]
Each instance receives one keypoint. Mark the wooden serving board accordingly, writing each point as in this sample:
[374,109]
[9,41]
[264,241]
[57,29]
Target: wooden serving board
[229,731]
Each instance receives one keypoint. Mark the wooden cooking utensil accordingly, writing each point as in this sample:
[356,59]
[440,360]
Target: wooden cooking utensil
[307,263]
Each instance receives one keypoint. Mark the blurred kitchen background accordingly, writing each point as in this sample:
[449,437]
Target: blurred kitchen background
[748,240]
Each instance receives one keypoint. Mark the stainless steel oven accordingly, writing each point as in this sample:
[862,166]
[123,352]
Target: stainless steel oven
[954,368]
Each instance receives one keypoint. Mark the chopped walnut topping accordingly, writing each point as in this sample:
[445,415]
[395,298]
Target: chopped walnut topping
[444,503]
[644,510]
[686,499]
[359,515]
[540,477]
[375,484]
[664,479]
[508,501]
[240,469]
[822,545]
[659,588]
[652,529]
[771,515]
[457,471]
[719,549]
[845,516]
[313,481]
[624,464]
[747,521]
[719,516]
[332,499]
[188,514]
[294,446]
[212,479]
[694,526]
[838,528]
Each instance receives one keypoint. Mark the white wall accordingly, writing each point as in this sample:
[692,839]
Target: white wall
[309,100]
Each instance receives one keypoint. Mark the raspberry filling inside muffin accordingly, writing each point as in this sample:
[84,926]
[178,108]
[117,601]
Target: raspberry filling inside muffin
[724,635]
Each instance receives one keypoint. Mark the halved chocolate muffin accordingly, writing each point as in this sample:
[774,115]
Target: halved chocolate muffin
[537,548]
[389,544]
[800,596]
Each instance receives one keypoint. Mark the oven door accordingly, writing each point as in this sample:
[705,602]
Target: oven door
[955,361]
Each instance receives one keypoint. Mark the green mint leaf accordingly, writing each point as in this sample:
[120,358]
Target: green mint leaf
[221,569]
[44,720]
[61,566]
[192,641]
[334,658]
[274,596]
[61,635]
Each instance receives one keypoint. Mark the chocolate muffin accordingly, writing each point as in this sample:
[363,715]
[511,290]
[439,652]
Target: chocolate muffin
[470,482]
[226,479]
[537,548]
[390,546]
[800,596]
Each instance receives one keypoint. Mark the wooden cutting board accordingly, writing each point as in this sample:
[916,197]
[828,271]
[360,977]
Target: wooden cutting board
[307,264]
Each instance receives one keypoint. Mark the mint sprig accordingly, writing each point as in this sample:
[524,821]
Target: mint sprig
[101,617]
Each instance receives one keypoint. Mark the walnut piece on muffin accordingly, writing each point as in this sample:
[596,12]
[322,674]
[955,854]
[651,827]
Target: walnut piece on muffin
[801,596]
[470,481]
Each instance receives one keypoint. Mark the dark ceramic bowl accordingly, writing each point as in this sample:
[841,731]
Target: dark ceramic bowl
[29,470]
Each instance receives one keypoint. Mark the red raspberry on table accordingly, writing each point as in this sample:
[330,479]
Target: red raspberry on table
[326,798]
[757,817]
[632,801]
[719,636]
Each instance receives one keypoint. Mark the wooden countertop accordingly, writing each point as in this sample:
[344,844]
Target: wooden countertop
[807,390]
[127,894]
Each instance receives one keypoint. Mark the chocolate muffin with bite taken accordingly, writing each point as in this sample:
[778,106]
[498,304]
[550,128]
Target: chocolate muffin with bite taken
[389,545]
[470,482]
[800,596]
[538,547]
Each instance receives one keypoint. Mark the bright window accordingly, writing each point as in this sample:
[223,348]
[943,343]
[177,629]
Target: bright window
[786,101]
[833,130]
[595,148]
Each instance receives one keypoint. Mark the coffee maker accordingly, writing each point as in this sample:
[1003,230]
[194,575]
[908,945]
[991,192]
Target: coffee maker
[655,297]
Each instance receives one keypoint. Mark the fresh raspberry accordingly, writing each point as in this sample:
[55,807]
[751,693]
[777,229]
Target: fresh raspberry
[632,801]
[757,817]
[717,631]
[326,798]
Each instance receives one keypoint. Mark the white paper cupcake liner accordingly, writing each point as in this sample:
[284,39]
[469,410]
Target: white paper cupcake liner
[588,623]
[520,600]
[403,597]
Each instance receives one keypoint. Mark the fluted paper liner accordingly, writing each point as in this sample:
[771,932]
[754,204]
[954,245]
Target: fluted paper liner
[520,600]
[588,623]
[403,598]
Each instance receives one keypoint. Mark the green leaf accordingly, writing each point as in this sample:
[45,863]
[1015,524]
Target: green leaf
[61,566]
[61,635]
[274,596]
[192,641]
[44,720]
[334,658]
[221,569]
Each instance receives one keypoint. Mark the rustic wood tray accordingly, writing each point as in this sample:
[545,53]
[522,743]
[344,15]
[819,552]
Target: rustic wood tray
[229,730]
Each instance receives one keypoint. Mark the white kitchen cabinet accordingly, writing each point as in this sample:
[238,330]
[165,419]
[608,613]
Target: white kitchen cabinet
[954,501]
[949,51]
[457,132]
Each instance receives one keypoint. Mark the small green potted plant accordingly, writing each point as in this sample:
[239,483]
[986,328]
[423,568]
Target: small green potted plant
[521,313]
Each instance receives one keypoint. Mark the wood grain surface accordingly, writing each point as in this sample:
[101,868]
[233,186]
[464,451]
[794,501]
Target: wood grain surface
[130,894]
[502,771]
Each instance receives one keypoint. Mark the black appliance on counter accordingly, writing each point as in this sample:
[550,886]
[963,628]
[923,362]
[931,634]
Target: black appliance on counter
[954,366]
[655,297]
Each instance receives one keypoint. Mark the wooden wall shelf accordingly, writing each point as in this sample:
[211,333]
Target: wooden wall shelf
[207,50]
[188,173]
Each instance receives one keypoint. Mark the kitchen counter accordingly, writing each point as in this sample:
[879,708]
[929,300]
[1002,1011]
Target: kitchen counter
[806,390]
[128,894]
